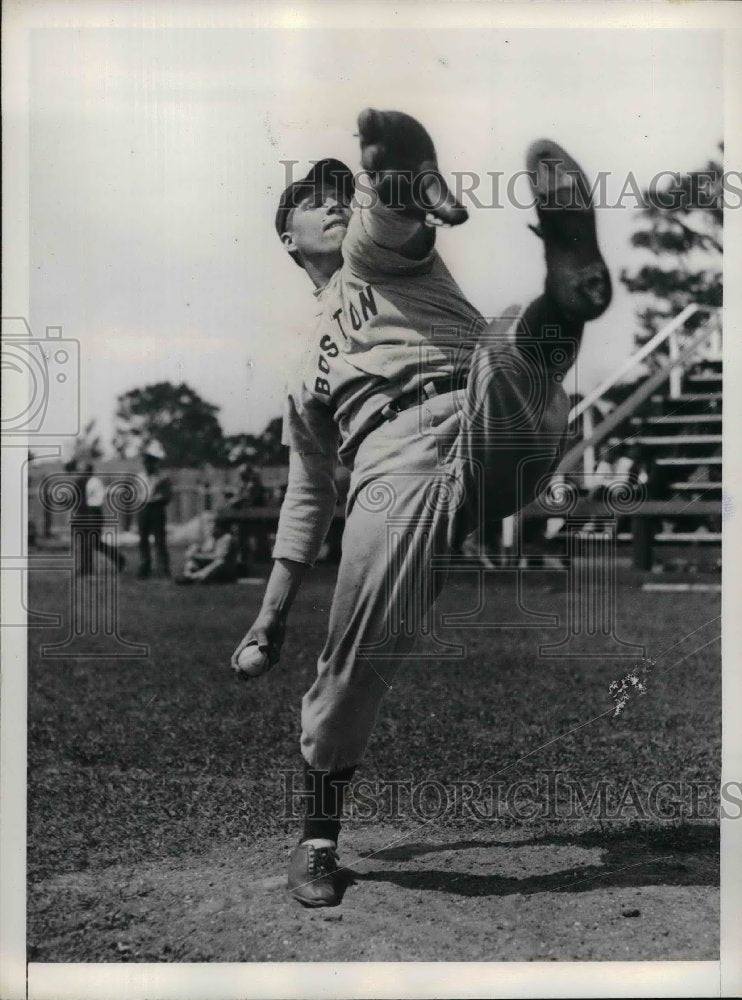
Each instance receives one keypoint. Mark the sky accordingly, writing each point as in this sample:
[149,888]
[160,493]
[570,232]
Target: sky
[157,157]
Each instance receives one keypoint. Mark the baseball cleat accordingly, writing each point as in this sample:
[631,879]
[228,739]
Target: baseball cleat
[313,875]
[576,274]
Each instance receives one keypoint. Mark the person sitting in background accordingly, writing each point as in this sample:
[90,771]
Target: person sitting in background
[618,473]
[214,558]
[252,492]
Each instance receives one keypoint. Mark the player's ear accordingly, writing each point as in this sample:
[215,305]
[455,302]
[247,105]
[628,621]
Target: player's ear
[288,242]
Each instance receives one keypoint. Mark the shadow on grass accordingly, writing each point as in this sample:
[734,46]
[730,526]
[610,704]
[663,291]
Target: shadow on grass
[633,857]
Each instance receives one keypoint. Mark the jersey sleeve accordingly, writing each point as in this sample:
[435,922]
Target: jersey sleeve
[311,495]
[372,244]
[308,425]
[95,492]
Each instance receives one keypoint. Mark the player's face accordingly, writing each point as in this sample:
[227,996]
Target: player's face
[318,224]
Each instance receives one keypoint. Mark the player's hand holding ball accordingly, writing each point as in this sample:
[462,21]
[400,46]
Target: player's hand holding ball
[260,649]
[253,661]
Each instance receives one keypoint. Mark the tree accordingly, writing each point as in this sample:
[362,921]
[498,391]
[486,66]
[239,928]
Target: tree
[272,452]
[240,448]
[684,233]
[262,449]
[186,426]
[87,447]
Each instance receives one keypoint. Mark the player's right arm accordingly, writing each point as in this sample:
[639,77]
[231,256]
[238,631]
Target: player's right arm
[269,628]
[306,514]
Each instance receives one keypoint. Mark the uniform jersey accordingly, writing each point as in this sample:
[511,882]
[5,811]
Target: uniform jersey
[95,493]
[158,487]
[383,325]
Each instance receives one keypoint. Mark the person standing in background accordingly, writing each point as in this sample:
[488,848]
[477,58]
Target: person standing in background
[251,544]
[153,515]
[94,498]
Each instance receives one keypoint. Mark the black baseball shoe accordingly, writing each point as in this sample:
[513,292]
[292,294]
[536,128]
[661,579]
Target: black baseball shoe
[313,875]
[576,274]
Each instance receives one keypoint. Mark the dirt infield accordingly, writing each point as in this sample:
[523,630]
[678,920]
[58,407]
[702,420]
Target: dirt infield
[160,822]
[483,898]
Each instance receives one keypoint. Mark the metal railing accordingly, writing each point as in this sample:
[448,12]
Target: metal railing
[679,356]
[669,334]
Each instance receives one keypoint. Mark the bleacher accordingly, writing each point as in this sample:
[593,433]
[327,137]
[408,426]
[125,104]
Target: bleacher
[673,420]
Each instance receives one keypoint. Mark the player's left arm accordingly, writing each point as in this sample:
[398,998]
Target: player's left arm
[383,238]
[306,513]
[402,165]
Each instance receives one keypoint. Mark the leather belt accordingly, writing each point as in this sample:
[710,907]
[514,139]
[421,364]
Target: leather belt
[417,396]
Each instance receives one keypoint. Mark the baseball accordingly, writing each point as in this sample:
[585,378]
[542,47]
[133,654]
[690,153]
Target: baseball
[253,661]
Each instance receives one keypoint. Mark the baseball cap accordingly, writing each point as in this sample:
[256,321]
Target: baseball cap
[324,173]
[154,450]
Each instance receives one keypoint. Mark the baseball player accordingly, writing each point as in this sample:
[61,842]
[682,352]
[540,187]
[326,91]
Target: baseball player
[445,423]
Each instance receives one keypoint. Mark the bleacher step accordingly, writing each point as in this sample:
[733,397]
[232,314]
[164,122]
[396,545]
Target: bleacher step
[679,418]
[690,460]
[679,439]
[690,397]
[674,536]
[696,487]
[688,536]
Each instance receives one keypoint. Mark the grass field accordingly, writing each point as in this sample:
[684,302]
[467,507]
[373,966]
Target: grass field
[157,818]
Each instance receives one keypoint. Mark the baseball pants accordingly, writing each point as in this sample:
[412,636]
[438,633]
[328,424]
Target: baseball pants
[153,521]
[93,541]
[421,482]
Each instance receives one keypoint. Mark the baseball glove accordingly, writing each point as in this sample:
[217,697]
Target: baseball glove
[400,158]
